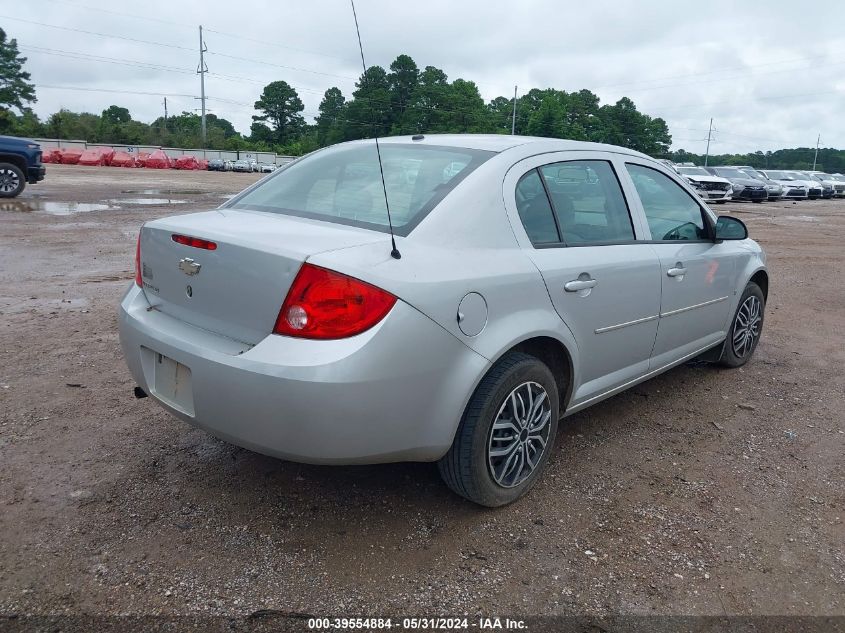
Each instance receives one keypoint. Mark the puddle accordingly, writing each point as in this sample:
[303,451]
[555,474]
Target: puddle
[52,208]
[145,201]
[166,192]
[799,218]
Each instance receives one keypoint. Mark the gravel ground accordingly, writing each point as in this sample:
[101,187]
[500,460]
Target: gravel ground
[703,491]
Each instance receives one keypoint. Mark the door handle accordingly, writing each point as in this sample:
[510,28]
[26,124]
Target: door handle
[677,271]
[579,284]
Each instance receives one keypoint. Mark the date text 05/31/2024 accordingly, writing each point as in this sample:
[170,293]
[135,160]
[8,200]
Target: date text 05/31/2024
[435,624]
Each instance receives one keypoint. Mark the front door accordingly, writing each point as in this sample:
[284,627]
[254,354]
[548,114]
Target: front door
[697,273]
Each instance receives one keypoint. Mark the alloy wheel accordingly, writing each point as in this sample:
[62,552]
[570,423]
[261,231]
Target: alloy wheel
[9,180]
[747,326]
[519,435]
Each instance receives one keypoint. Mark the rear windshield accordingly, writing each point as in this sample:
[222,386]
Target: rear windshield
[342,184]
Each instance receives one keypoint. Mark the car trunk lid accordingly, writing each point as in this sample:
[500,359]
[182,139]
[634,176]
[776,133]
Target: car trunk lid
[237,288]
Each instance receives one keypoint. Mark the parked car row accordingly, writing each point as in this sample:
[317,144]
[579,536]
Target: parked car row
[721,183]
[243,165]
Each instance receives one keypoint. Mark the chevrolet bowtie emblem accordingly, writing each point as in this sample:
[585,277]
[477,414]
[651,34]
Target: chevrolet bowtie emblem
[189,266]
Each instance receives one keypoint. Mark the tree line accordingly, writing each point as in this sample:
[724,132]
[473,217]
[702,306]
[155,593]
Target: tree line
[829,159]
[402,99]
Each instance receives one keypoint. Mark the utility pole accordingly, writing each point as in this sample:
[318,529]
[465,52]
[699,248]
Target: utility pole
[165,114]
[201,70]
[709,132]
[513,120]
[818,140]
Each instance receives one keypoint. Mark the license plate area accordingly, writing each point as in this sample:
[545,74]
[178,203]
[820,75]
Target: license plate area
[170,381]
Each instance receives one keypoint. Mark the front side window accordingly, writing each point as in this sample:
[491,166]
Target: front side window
[343,184]
[671,212]
[588,202]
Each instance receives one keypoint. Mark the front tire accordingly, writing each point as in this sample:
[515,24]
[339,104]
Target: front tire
[506,434]
[746,327]
[12,181]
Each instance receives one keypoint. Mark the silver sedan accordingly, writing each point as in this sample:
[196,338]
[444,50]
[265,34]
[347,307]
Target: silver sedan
[531,279]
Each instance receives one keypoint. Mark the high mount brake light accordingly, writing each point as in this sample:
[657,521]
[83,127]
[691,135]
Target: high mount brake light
[324,304]
[195,242]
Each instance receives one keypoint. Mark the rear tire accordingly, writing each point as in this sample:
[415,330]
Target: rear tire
[12,180]
[507,432]
[746,328]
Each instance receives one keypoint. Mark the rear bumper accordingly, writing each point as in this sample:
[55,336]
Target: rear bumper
[35,174]
[394,393]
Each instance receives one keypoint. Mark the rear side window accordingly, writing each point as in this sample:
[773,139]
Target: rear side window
[588,201]
[342,184]
[535,210]
[671,212]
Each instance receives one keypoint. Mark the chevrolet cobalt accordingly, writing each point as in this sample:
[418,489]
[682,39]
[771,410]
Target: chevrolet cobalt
[531,278]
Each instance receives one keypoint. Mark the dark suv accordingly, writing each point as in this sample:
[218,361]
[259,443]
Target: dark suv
[744,186]
[20,163]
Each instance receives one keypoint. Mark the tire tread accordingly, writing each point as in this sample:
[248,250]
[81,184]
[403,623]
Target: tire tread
[456,466]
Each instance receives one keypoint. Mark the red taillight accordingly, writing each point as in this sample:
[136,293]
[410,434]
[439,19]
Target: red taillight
[138,279]
[196,242]
[323,304]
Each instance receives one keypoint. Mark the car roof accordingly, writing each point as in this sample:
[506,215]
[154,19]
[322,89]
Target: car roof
[502,142]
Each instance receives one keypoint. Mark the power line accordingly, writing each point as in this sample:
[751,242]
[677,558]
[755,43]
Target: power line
[709,72]
[116,37]
[135,16]
[125,92]
[775,98]
[106,60]
[295,68]
[173,46]
[276,45]
[145,65]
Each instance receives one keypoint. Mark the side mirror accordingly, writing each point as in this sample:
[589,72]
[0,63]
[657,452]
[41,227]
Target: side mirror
[729,228]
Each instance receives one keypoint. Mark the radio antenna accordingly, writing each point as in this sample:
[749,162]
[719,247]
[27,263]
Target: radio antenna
[394,253]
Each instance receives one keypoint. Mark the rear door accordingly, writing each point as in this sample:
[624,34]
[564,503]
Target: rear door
[603,284]
[697,273]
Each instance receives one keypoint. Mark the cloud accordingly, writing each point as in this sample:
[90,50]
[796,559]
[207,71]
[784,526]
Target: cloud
[770,76]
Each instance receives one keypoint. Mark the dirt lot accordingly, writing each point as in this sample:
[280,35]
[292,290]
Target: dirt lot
[703,491]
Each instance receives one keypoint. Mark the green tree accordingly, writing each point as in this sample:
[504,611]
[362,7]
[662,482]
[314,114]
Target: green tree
[369,113]
[465,109]
[547,119]
[116,115]
[499,115]
[402,81]
[260,133]
[330,120]
[626,126]
[582,121]
[429,102]
[73,125]
[15,88]
[281,107]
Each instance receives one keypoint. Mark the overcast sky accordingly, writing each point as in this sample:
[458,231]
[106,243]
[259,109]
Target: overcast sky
[770,73]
